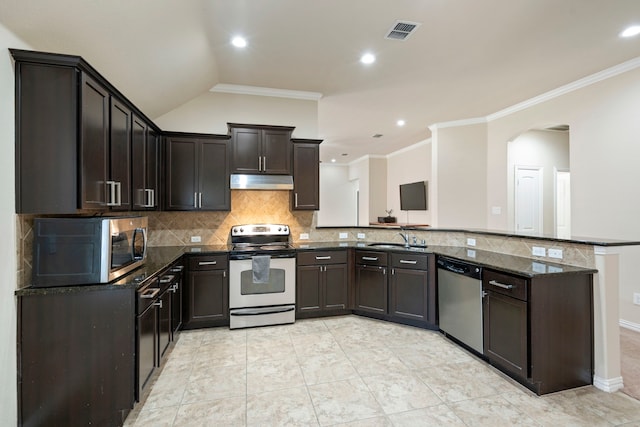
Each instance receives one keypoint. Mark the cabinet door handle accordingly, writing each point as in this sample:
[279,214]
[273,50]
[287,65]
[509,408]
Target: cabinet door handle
[408,261]
[264,163]
[370,258]
[195,200]
[200,200]
[500,285]
[150,294]
[296,199]
[149,198]
[158,303]
[323,257]
[111,196]
[259,163]
[207,262]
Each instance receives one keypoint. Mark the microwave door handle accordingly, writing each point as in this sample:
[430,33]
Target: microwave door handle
[144,243]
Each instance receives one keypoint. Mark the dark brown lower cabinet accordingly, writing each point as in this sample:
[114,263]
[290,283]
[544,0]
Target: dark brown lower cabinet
[322,283]
[206,292]
[76,356]
[371,289]
[412,289]
[505,337]
[539,329]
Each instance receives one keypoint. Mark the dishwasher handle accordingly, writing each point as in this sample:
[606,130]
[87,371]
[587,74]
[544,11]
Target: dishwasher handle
[460,267]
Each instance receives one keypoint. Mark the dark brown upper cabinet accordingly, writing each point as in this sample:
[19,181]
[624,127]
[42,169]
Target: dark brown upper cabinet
[119,183]
[197,172]
[306,174]
[260,149]
[73,137]
[144,144]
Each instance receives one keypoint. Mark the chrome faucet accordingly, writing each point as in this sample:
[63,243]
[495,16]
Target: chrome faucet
[405,237]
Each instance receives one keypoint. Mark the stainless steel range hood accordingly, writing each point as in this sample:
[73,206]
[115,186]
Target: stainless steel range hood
[261,182]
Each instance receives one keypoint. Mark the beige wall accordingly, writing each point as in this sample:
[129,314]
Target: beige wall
[604,153]
[459,167]
[404,166]
[8,259]
[210,112]
[337,196]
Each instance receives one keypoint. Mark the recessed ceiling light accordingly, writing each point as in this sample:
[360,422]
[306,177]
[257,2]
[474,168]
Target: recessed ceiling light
[368,58]
[400,122]
[634,30]
[333,160]
[238,41]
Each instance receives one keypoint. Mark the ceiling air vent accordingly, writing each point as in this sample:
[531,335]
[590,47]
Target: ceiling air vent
[401,30]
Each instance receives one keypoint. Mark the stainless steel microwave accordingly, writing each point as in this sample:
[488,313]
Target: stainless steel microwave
[81,250]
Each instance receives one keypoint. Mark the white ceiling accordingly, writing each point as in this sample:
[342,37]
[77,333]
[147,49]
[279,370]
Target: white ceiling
[468,59]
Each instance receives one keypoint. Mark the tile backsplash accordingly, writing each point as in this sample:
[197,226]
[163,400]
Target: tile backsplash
[247,207]
[254,206]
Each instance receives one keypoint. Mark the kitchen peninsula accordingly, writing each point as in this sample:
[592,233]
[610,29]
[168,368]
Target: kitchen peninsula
[541,274]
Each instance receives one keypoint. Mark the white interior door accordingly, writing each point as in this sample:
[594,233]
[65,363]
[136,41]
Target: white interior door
[563,204]
[528,199]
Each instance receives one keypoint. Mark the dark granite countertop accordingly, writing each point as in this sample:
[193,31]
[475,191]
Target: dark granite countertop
[501,262]
[596,241]
[160,258]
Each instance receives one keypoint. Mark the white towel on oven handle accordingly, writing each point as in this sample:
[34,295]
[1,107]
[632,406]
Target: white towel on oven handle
[261,264]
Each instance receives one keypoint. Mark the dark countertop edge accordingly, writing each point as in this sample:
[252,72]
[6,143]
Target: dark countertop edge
[580,240]
[152,270]
[455,252]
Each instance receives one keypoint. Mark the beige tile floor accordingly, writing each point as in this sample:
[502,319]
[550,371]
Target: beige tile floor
[353,371]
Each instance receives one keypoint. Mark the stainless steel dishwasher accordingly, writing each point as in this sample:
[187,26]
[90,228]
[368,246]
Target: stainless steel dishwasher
[460,301]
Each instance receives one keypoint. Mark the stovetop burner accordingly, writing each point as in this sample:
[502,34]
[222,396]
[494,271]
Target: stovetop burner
[261,239]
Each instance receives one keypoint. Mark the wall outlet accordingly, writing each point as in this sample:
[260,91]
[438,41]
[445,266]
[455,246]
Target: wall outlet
[361,236]
[304,236]
[471,253]
[343,235]
[636,298]
[196,239]
[538,251]
[471,242]
[555,253]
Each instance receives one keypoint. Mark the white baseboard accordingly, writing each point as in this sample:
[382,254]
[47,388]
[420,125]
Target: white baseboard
[609,385]
[630,325]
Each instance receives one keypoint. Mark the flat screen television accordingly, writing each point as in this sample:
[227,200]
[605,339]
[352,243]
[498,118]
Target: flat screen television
[413,196]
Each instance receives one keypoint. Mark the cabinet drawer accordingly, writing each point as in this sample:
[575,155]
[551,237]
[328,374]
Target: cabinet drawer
[322,257]
[505,284]
[208,262]
[371,258]
[414,261]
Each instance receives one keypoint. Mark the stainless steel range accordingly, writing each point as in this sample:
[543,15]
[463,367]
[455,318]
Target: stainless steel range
[262,271]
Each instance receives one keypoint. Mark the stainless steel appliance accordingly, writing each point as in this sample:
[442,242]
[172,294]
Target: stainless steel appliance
[262,271]
[460,301]
[83,250]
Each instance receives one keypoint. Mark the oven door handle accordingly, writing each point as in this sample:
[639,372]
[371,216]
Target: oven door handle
[258,312]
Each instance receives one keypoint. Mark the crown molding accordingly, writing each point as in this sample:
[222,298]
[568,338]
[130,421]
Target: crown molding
[563,90]
[266,91]
[457,123]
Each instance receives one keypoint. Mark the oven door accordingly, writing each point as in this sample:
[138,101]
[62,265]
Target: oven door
[280,289]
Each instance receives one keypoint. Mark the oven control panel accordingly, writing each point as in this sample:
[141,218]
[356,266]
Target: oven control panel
[260,230]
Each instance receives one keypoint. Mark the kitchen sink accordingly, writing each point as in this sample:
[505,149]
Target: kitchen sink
[397,246]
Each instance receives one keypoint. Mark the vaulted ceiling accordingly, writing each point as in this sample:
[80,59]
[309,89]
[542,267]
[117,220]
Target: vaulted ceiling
[467,59]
